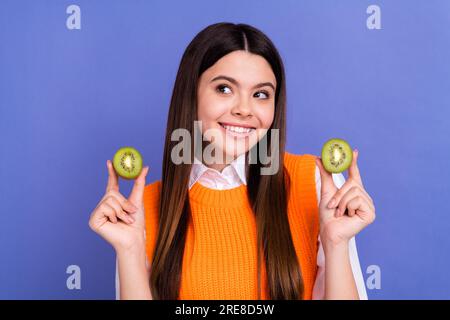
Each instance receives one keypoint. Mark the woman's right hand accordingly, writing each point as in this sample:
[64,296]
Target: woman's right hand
[119,220]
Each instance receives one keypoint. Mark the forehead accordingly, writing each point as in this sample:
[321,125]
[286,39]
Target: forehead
[245,67]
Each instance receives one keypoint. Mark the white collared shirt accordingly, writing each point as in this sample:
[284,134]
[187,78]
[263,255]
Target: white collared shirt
[233,176]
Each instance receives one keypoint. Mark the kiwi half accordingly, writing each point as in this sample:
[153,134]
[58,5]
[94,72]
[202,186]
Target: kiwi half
[128,163]
[337,155]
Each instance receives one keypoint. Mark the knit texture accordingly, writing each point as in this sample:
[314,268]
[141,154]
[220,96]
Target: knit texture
[220,256]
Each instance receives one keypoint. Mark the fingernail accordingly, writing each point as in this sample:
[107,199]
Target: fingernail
[331,203]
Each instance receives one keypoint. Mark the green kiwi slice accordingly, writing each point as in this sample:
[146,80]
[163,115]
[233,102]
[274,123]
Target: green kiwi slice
[337,155]
[128,163]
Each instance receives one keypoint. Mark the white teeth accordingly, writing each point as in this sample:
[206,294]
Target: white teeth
[237,129]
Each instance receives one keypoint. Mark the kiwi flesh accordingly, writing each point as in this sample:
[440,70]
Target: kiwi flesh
[337,155]
[127,162]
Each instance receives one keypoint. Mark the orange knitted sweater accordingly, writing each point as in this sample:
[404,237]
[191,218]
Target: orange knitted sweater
[220,256]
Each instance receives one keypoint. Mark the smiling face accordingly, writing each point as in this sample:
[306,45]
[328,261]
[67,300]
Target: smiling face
[236,102]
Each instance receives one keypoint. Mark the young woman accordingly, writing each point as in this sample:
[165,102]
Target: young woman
[222,229]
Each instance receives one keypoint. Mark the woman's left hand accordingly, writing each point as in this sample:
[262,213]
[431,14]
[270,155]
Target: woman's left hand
[346,211]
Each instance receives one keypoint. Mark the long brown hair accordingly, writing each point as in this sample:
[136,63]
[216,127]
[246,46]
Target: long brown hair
[267,194]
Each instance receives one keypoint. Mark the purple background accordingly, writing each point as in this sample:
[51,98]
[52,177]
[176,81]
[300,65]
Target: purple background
[70,98]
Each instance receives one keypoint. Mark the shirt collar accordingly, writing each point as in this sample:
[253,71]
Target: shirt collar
[237,165]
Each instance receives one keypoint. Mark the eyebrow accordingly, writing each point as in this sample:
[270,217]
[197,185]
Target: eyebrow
[234,81]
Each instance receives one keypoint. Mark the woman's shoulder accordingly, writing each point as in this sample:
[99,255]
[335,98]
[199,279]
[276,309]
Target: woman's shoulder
[153,186]
[292,160]
[302,168]
[151,193]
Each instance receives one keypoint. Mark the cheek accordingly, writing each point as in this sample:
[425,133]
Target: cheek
[210,108]
[266,116]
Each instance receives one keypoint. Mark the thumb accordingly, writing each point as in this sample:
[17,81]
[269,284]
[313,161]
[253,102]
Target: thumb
[137,193]
[327,188]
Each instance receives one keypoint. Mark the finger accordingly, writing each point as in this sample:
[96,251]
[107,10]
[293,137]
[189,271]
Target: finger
[137,194]
[97,218]
[125,217]
[109,212]
[362,210]
[112,202]
[353,205]
[326,179]
[118,211]
[352,190]
[113,181]
[355,192]
[358,206]
[349,194]
[334,202]
[126,205]
[343,190]
[353,171]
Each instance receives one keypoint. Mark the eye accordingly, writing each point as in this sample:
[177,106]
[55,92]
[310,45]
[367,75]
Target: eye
[264,93]
[223,86]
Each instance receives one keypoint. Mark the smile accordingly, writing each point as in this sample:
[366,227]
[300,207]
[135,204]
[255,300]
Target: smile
[237,131]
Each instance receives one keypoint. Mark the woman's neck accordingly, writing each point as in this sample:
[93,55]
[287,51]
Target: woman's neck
[215,166]
[227,160]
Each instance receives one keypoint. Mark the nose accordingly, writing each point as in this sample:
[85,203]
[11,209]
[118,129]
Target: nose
[242,109]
